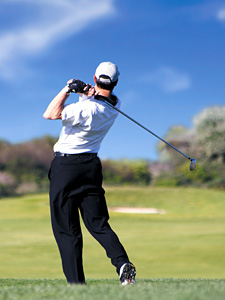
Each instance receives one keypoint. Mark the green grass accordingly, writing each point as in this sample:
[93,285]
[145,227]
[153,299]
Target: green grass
[153,289]
[185,242]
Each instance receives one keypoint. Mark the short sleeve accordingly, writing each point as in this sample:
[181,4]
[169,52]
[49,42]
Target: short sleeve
[71,114]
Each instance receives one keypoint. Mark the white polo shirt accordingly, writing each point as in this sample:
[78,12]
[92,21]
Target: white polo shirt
[85,125]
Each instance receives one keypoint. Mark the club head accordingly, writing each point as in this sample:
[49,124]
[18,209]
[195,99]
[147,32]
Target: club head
[192,164]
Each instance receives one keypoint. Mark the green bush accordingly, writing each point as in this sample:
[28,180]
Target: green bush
[7,190]
[126,172]
[182,176]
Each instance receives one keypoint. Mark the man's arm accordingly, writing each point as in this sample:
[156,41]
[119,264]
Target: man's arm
[55,108]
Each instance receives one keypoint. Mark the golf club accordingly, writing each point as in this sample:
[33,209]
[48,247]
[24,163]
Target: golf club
[192,160]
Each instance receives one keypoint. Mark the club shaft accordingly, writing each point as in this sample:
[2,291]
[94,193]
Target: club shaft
[158,137]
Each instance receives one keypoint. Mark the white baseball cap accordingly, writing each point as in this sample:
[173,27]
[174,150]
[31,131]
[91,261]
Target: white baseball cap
[107,72]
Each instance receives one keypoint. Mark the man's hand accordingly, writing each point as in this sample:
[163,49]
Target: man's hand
[77,86]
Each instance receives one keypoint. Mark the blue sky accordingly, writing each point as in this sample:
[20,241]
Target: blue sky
[171,56]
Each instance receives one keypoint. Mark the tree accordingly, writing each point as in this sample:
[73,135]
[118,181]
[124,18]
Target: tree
[209,128]
[205,141]
[28,164]
[181,138]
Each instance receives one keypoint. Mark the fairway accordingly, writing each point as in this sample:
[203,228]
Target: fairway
[187,241]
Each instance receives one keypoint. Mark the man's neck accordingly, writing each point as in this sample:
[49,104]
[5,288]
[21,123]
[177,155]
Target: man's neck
[102,92]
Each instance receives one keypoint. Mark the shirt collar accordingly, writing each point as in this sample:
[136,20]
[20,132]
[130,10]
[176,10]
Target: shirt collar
[84,97]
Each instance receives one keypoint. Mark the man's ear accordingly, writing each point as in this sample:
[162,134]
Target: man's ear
[95,79]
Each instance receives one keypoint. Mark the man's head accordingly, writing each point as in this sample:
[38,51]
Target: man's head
[106,76]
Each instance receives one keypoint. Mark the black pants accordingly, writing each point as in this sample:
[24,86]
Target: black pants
[76,184]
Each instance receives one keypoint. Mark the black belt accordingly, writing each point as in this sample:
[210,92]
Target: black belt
[77,154]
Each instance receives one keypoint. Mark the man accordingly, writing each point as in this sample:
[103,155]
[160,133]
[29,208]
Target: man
[76,173]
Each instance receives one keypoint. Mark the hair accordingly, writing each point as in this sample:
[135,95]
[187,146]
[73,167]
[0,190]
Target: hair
[106,86]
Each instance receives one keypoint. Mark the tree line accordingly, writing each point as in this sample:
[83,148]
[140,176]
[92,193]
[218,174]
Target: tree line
[24,167]
[204,141]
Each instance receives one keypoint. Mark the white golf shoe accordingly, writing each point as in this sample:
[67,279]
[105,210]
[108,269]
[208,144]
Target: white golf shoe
[127,274]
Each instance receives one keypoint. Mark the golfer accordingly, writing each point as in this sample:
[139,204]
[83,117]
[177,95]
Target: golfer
[76,174]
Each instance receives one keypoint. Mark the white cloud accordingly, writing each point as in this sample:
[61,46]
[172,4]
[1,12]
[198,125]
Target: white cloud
[168,79]
[221,14]
[212,10]
[57,20]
